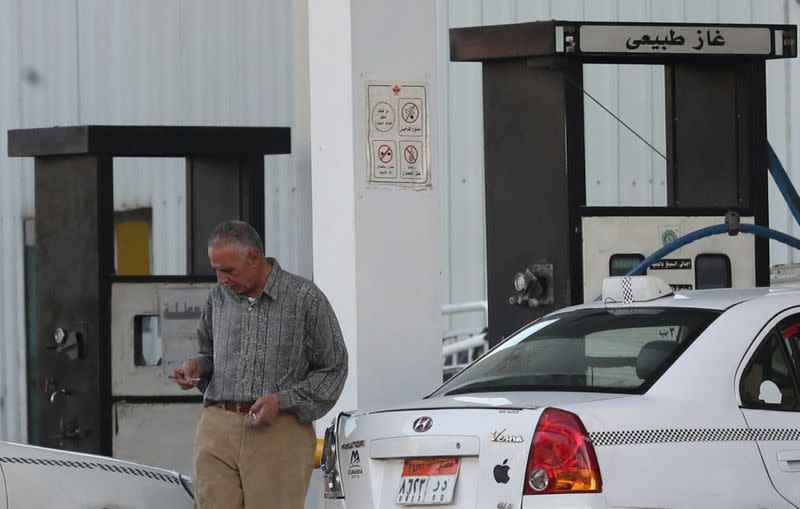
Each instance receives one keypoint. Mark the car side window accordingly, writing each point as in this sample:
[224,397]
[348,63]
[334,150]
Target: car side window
[790,331]
[769,381]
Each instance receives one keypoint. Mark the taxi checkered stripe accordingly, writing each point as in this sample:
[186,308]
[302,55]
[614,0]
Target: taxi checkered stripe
[91,466]
[661,436]
[627,290]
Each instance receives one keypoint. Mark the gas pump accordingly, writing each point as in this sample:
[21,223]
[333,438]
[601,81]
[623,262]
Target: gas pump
[106,343]
[541,236]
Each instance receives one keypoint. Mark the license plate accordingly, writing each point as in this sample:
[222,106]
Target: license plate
[428,481]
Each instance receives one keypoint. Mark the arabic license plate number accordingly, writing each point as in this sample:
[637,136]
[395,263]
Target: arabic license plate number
[428,481]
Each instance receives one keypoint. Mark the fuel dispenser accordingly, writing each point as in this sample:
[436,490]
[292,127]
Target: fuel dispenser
[107,343]
[545,248]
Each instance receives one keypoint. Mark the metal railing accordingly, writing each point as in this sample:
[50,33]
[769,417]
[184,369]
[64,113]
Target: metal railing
[462,346]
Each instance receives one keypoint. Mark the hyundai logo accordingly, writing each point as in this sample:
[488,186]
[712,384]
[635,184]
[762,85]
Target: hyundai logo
[423,424]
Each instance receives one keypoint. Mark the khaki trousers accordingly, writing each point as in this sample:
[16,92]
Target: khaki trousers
[237,466]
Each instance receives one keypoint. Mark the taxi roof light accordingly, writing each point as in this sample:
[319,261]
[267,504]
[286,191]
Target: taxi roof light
[627,289]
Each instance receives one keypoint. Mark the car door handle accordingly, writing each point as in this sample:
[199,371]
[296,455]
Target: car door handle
[789,461]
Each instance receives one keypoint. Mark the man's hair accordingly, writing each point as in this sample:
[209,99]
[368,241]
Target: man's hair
[236,232]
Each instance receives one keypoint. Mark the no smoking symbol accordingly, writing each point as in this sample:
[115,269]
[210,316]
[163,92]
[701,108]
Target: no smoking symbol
[410,112]
[385,154]
[411,154]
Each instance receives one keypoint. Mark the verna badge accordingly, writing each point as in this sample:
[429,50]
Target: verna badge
[501,436]
[423,424]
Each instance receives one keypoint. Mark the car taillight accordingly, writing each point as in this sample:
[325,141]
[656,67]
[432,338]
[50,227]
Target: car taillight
[562,458]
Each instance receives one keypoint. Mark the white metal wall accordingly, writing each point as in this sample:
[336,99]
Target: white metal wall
[179,62]
[621,170]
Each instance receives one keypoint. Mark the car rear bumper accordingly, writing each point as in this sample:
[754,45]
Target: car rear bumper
[576,501]
[571,501]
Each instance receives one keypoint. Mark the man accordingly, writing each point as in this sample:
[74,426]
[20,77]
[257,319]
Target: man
[272,360]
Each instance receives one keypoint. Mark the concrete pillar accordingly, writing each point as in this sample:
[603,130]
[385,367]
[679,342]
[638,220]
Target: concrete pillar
[376,247]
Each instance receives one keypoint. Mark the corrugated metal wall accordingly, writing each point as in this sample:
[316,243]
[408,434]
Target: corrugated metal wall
[15,196]
[240,63]
[621,170]
[177,62]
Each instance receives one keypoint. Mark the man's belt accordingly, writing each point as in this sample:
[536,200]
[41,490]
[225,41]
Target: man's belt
[240,407]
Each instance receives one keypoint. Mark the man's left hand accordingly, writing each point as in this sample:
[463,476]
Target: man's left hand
[263,411]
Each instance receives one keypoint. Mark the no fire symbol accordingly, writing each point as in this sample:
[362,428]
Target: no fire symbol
[411,154]
[385,154]
[410,112]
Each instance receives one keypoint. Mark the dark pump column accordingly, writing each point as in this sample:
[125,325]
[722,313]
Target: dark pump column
[75,239]
[534,141]
[534,175]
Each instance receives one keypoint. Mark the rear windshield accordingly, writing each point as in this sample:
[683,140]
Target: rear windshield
[609,350]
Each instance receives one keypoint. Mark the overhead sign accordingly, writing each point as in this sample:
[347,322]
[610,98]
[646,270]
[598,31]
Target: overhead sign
[397,134]
[665,39]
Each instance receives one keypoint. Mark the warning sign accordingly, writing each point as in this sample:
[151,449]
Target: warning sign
[386,165]
[409,165]
[398,134]
[385,153]
[411,124]
[410,112]
[383,117]
[411,154]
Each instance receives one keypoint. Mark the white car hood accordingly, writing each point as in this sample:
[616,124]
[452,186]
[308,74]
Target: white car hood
[526,399]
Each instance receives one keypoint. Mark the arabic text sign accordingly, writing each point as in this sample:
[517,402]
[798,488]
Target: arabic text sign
[718,40]
[672,264]
[180,311]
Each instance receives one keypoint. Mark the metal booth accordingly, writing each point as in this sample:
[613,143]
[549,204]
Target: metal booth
[545,248]
[106,343]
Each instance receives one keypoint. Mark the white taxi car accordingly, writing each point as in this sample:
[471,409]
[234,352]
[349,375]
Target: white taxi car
[643,399]
[33,477]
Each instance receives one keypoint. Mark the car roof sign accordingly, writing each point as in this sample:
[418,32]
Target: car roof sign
[628,289]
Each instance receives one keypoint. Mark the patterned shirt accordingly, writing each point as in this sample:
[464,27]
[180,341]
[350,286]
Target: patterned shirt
[287,342]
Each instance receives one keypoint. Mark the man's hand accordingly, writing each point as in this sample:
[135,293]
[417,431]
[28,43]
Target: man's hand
[187,375]
[263,411]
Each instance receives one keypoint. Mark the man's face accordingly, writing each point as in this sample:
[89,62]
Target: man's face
[236,266]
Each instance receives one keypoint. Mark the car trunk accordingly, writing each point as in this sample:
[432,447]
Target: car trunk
[490,435]
[490,446]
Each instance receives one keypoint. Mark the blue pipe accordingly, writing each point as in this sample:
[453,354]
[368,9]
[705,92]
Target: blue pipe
[785,186]
[760,231]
